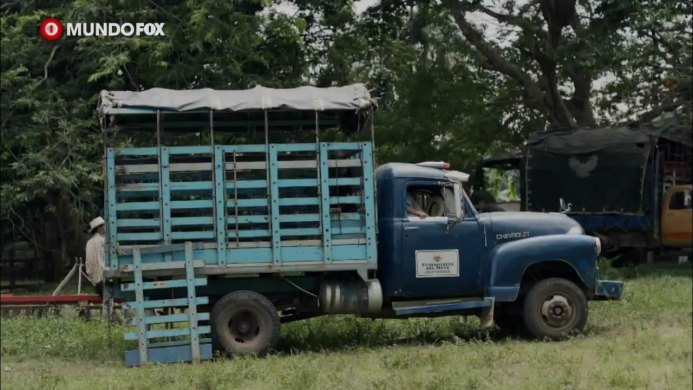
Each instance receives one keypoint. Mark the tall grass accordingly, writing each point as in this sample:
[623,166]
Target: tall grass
[643,341]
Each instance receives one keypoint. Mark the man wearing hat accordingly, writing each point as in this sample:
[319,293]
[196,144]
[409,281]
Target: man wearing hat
[95,253]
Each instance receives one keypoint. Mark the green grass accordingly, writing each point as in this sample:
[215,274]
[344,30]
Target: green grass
[643,341]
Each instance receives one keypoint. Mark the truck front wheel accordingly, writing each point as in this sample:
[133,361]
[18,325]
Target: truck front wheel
[245,322]
[554,308]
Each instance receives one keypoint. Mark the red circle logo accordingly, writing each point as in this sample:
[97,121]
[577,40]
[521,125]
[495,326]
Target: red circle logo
[51,29]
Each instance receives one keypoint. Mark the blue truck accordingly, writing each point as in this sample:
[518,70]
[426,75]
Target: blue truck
[250,208]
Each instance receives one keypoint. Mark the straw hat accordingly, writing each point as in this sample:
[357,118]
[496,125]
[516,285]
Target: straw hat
[96,222]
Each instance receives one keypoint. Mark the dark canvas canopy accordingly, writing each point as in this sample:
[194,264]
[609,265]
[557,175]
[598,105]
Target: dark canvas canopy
[353,97]
[596,170]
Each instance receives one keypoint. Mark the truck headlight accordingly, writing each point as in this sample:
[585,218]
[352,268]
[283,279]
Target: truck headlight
[576,230]
[597,245]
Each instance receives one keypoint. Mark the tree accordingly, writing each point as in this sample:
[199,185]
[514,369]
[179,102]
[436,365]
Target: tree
[558,50]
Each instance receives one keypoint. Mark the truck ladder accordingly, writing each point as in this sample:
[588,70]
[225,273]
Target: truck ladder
[191,347]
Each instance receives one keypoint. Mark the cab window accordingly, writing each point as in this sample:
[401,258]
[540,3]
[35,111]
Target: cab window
[424,201]
[680,200]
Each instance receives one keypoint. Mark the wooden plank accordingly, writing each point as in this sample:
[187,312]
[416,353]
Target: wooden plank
[167,303]
[159,333]
[367,155]
[165,199]
[160,284]
[182,317]
[141,335]
[162,266]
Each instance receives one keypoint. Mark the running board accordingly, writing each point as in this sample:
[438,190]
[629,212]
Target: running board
[407,308]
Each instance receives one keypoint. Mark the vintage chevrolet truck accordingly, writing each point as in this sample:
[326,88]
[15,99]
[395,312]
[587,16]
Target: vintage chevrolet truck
[246,213]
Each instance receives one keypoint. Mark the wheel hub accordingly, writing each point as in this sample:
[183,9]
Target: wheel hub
[244,327]
[557,311]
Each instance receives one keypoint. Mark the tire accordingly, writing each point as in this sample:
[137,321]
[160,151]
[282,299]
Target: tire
[554,308]
[245,322]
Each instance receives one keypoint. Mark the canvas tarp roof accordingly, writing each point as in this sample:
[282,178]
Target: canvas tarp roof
[353,97]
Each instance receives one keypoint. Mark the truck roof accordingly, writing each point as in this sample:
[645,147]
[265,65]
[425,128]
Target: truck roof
[410,170]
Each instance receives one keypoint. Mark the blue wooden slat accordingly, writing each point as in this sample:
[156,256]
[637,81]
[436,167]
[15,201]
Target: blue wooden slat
[296,147]
[159,284]
[165,198]
[191,185]
[137,151]
[344,146]
[111,215]
[203,149]
[154,222]
[249,233]
[346,181]
[192,307]
[192,221]
[345,199]
[247,203]
[248,219]
[367,156]
[325,204]
[243,148]
[137,187]
[299,218]
[138,206]
[297,182]
[299,201]
[208,235]
[182,317]
[159,333]
[192,204]
[247,184]
[301,232]
[139,303]
[336,229]
[220,209]
[169,354]
[167,303]
[346,216]
[274,205]
[152,236]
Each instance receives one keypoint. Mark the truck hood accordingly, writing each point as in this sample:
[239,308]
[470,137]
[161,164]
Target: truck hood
[501,227]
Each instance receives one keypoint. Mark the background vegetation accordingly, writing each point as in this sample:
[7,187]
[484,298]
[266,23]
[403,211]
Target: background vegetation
[457,80]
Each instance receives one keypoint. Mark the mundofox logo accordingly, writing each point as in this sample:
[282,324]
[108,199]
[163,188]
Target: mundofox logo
[51,29]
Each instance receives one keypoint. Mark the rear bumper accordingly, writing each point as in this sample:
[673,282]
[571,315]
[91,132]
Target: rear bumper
[608,290]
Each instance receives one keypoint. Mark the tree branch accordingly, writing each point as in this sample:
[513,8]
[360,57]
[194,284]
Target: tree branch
[495,60]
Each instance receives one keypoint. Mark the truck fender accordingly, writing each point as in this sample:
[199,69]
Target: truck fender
[562,254]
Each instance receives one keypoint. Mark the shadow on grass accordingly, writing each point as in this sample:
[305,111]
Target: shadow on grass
[344,333]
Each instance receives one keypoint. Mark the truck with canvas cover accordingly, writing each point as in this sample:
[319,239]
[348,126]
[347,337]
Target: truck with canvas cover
[630,186]
[253,208]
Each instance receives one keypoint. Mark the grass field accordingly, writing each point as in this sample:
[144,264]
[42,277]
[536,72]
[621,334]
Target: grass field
[642,342]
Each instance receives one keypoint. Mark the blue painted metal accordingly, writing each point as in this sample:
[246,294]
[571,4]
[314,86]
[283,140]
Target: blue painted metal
[111,199]
[609,290]
[163,284]
[220,209]
[167,352]
[443,307]
[367,157]
[247,210]
[324,193]
[273,178]
[508,262]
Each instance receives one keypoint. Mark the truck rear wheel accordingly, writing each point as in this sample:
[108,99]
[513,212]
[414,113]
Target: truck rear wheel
[245,322]
[554,308]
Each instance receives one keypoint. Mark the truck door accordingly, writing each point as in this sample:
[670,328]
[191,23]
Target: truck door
[677,217]
[438,258]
